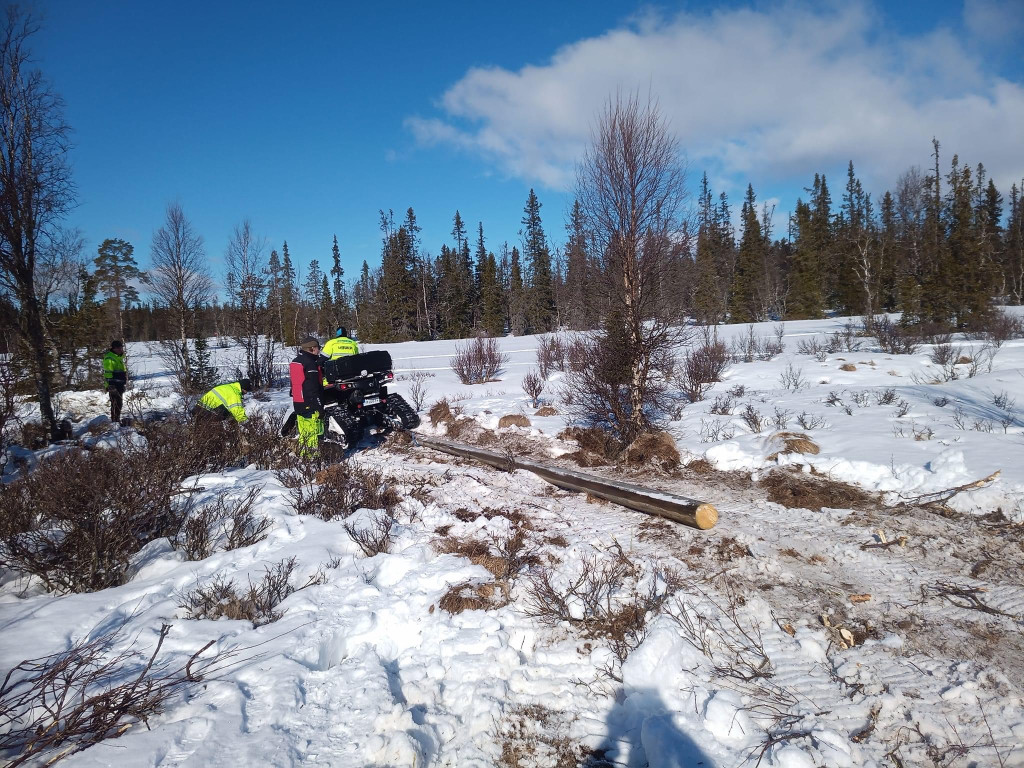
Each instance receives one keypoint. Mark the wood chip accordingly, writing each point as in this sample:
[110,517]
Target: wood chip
[788,629]
[863,598]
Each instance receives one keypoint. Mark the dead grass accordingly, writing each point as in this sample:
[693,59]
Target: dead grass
[534,736]
[848,367]
[654,447]
[799,491]
[468,596]
[440,413]
[546,410]
[513,420]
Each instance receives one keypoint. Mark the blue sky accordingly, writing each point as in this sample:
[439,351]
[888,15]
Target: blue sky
[309,118]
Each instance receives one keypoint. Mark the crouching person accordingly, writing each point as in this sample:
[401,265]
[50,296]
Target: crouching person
[307,390]
[223,402]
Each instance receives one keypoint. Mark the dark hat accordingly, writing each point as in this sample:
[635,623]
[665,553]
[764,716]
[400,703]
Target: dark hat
[245,384]
[116,343]
[308,343]
[341,331]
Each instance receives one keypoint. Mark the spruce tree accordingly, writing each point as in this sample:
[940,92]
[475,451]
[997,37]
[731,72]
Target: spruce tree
[745,303]
[492,318]
[289,297]
[339,300]
[707,300]
[540,308]
[578,312]
[516,296]
[274,294]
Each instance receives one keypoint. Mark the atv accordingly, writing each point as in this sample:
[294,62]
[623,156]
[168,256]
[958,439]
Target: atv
[356,400]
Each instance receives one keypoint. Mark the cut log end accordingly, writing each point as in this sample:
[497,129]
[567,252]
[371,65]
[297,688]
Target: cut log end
[706,516]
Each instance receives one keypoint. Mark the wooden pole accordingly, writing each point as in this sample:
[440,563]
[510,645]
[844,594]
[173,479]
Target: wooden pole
[696,514]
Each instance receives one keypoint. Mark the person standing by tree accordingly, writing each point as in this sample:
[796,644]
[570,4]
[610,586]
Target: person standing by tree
[115,377]
[307,390]
[340,346]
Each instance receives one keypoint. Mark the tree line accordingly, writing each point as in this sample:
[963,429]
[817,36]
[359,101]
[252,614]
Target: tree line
[942,249]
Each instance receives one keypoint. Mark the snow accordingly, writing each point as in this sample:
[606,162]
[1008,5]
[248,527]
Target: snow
[367,669]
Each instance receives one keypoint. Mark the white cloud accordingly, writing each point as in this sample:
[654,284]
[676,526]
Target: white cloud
[753,95]
[995,21]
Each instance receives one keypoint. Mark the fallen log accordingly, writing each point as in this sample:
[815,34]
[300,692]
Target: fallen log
[679,509]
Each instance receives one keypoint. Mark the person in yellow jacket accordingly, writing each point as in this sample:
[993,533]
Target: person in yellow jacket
[223,402]
[115,378]
[340,346]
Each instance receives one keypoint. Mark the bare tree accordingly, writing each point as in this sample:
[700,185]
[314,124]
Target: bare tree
[248,286]
[35,192]
[631,185]
[179,277]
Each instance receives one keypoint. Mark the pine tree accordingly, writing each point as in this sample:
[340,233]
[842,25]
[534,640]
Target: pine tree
[115,270]
[540,305]
[1013,246]
[479,264]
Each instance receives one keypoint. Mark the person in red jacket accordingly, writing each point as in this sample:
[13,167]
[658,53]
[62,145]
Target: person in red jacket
[307,392]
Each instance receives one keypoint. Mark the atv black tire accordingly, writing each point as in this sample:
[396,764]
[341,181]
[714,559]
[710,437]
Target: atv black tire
[288,428]
[403,411]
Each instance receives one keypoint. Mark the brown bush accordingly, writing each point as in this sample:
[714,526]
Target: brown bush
[221,599]
[546,410]
[593,600]
[478,361]
[657,447]
[593,440]
[54,706]
[533,386]
[375,538]
[513,420]
[84,515]
[847,367]
[703,365]
[338,490]
[227,520]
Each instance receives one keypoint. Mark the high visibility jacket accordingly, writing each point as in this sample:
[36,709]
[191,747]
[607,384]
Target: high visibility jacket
[228,395]
[339,346]
[114,371]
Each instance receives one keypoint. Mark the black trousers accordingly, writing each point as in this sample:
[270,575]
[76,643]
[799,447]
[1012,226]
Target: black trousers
[116,401]
[220,413]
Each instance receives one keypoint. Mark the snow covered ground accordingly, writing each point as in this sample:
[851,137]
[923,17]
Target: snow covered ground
[790,638]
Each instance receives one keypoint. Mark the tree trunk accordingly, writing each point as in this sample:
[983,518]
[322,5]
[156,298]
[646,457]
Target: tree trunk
[36,338]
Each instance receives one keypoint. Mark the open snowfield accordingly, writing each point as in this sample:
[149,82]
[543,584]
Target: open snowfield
[874,632]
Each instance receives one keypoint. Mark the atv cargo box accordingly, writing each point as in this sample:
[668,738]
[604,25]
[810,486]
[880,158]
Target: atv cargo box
[352,366]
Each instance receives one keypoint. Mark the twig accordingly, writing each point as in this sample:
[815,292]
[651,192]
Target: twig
[939,497]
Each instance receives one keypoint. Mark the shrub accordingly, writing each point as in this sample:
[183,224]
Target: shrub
[895,339]
[418,388]
[750,347]
[792,378]
[221,599]
[513,420]
[552,354]
[533,386]
[703,365]
[606,597]
[82,516]
[374,538]
[54,706]
[338,490]
[478,361]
